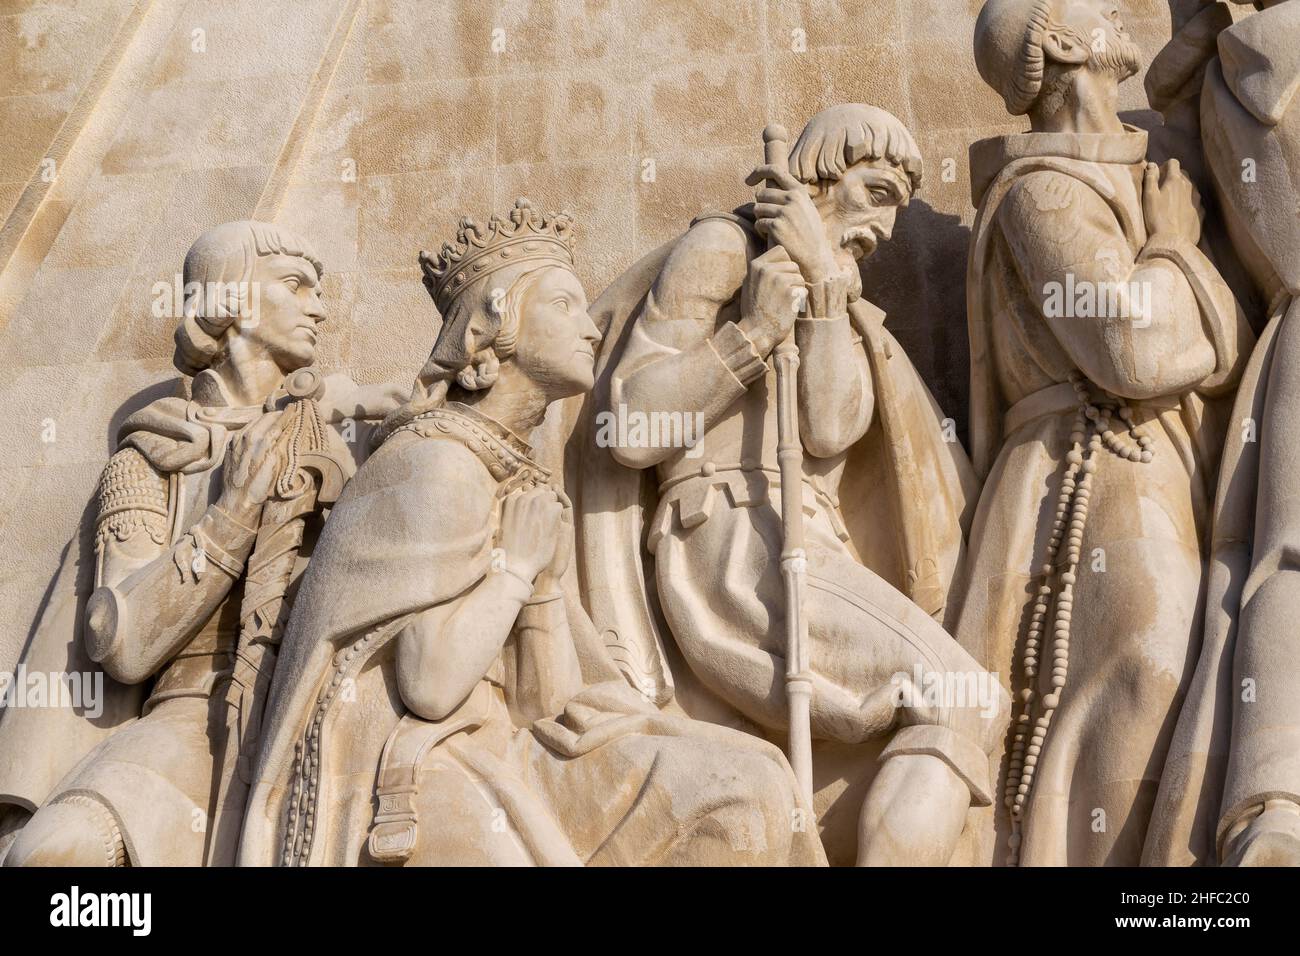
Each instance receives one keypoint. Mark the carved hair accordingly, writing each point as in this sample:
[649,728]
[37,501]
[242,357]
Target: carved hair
[218,266]
[850,133]
[1009,49]
[479,330]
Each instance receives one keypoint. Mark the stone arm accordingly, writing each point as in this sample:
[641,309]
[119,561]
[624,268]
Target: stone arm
[836,398]
[679,358]
[1173,325]
[150,599]
[447,649]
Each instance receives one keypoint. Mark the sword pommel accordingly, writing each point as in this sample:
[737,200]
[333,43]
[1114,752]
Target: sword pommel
[776,146]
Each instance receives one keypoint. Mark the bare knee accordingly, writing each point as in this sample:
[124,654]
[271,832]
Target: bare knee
[68,834]
[913,814]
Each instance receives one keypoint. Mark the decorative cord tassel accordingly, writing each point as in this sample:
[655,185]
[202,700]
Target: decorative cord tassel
[1091,432]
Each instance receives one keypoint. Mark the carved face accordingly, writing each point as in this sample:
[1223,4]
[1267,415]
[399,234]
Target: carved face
[860,207]
[1100,24]
[287,296]
[557,338]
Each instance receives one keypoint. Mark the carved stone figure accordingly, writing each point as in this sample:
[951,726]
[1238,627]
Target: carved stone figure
[1231,792]
[884,495]
[200,517]
[441,696]
[1099,332]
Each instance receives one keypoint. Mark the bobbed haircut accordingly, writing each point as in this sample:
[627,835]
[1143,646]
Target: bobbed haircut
[851,133]
[217,267]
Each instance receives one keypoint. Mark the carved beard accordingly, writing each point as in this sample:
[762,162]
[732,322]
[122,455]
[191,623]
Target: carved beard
[1120,58]
[848,241]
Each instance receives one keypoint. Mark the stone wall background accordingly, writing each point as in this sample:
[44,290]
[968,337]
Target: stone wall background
[372,126]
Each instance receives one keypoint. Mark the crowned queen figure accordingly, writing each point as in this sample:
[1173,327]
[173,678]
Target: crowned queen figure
[442,669]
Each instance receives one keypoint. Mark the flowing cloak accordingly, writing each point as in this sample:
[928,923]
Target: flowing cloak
[40,745]
[1220,764]
[1015,451]
[414,529]
[893,477]
[906,497]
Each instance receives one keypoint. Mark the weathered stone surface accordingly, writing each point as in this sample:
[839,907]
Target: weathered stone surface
[707,615]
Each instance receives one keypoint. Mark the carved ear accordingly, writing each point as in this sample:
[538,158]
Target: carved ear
[1065,45]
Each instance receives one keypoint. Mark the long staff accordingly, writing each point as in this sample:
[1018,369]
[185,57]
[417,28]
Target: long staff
[794,559]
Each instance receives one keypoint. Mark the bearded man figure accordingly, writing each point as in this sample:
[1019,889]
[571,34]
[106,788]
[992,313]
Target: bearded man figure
[1098,332]
[700,322]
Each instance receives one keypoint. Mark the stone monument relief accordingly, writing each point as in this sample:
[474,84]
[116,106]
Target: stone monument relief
[650,434]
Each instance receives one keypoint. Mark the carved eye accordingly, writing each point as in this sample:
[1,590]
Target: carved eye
[293,282]
[561,303]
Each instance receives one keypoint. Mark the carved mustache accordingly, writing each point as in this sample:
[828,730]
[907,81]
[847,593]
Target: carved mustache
[859,234]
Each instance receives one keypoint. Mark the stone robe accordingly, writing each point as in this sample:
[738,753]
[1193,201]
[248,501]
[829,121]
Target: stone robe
[1067,209]
[552,759]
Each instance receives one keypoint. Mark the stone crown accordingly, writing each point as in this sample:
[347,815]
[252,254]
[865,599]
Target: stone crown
[479,251]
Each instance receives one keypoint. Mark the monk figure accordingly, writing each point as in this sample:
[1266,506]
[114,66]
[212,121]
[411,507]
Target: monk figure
[1100,335]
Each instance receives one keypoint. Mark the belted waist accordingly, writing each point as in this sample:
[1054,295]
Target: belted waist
[746,485]
[1060,398]
[394,831]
